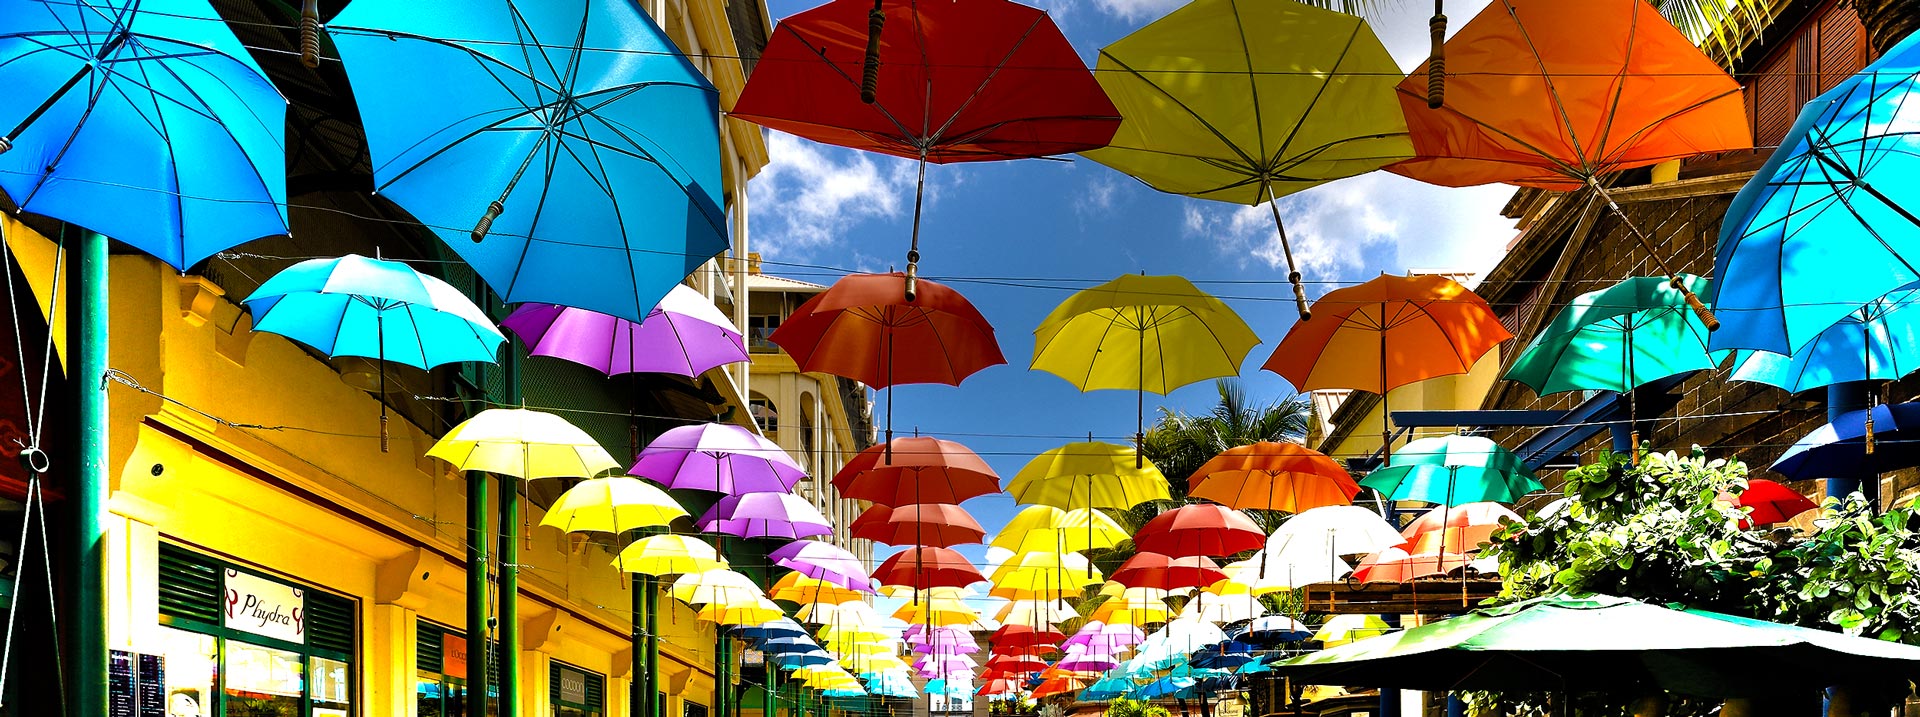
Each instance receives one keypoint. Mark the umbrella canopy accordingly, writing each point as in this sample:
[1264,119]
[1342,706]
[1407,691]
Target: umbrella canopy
[1286,565]
[1386,333]
[799,588]
[1202,529]
[148,122]
[726,587]
[356,306]
[1099,637]
[1172,643]
[1044,528]
[784,627]
[1272,475]
[524,444]
[823,561]
[1059,686]
[1034,612]
[922,568]
[1131,612]
[719,457]
[1025,635]
[1826,226]
[863,328]
[1107,688]
[685,334]
[758,611]
[1154,570]
[614,504]
[1606,643]
[1335,530]
[669,555]
[1452,470]
[1396,565]
[1273,630]
[938,525]
[1046,576]
[1768,502]
[781,516]
[1618,339]
[1342,629]
[561,172]
[1840,447]
[1877,342]
[1088,475]
[1222,609]
[1457,528]
[916,471]
[1249,102]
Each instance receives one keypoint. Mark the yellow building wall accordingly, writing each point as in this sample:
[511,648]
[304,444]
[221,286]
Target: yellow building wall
[1463,391]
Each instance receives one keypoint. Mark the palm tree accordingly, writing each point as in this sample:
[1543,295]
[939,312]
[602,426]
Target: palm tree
[1178,443]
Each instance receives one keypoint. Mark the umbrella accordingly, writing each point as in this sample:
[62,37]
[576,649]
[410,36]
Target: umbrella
[785,627]
[823,561]
[1201,529]
[1396,565]
[668,555]
[1131,612]
[939,613]
[1877,342]
[145,121]
[916,471]
[939,525]
[1107,689]
[1044,528]
[1226,656]
[1452,470]
[1283,566]
[1335,530]
[1222,609]
[1059,686]
[728,587]
[1025,635]
[524,444]
[1457,528]
[1847,445]
[614,504]
[757,611]
[992,80]
[1173,642]
[1606,643]
[1768,502]
[1826,226]
[1249,102]
[1034,612]
[1342,629]
[781,516]
[1088,475]
[1273,630]
[1572,93]
[863,329]
[1272,475]
[1166,687]
[1141,333]
[1386,333]
[799,588]
[1154,570]
[717,457]
[685,334]
[922,568]
[561,172]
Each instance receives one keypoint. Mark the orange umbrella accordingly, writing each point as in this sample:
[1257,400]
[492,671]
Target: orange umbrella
[1059,685]
[927,568]
[1271,475]
[1387,333]
[1554,94]
[1396,565]
[1457,529]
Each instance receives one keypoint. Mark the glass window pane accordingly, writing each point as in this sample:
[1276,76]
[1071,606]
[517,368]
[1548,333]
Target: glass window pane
[262,681]
[330,693]
[193,668]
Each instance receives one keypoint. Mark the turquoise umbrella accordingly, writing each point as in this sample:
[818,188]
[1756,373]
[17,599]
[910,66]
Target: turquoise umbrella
[1174,687]
[1107,688]
[1453,470]
[1618,339]
[1877,342]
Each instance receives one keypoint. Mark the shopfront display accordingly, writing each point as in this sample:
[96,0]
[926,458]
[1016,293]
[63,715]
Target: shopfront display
[441,673]
[577,692]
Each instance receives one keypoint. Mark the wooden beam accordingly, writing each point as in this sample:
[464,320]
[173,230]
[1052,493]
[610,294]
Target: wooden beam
[1425,597]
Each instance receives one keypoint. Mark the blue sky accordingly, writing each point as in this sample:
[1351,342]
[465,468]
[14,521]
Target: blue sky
[1077,223]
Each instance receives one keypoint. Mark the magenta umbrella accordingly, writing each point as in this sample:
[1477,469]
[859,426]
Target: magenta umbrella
[765,515]
[685,334]
[1102,637]
[938,665]
[823,562]
[1076,661]
[718,457]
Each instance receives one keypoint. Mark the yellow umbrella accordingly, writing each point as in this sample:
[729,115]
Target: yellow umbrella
[524,444]
[1342,629]
[934,592]
[758,611]
[794,587]
[843,613]
[1136,606]
[612,505]
[721,586]
[864,648]
[937,614]
[1044,527]
[1033,612]
[1088,475]
[1141,333]
[858,631]
[1060,568]
[668,555]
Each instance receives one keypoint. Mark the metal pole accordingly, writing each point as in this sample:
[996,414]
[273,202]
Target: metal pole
[722,675]
[477,648]
[656,707]
[88,609]
[509,597]
[772,708]
[640,692]
[1844,398]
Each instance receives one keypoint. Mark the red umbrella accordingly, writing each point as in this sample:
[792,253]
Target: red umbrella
[922,568]
[1024,636]
[910,471]
[1155,570]
[1396,565]
[1770,503]
[935,524]
[1465,527]
[961,82]
[997,685]
[1202,529]
[1059,686]
[1037,650]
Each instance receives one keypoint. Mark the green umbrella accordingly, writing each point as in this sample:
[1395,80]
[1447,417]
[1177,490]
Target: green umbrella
[1618,339]
[1453,470]
[1601,642]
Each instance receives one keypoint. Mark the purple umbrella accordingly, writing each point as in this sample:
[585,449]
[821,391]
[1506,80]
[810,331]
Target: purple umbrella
[945,634]
[765,515]
[942,665]
[1078,661]
[1102,637]
[718,457]
[686,335]
[823,562]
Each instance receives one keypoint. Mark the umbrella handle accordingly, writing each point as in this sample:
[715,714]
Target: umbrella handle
[1437,64]
[1299,296]
[310,34]
[870,74]
[1699,307]
[913,274]
[485,224]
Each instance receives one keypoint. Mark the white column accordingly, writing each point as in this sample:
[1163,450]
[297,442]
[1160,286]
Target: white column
[740,292]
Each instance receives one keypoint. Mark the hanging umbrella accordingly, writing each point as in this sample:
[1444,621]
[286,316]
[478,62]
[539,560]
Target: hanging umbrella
[1342,629]
[1396,565]
[939,525]
[146,121]
[1285,566]
[1827,224]
[1457,528]
[1201,529]
[993,80]
[1386,333]
[1107,689]
[1167,688]
[668,555]
[1025,635]
[717,457]
[1841,447]
[722,586]
[1143,334]
[1607,643]
[922,568]
[782,516]
[1272,475]
[1034,612]
[1088,475]
[1273,630]
[823,561]
[685,334]
[1335,530]
[1154,570]
[1768,502]
[1099,637]
[1044,527]
[611,505]
[1453,470]
[523,444]
[1125,612]
[1877,342]
[1249,102]
[1220,609]
[1059,686]
[561,172]
[1228,655]
[1172,643]
[758,611]
[799,588]
[914,471]
[784,627]
[1555,95]
[937,612]
[384,310]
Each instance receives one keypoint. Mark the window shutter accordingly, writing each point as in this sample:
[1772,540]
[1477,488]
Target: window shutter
[330,622]
[427,648]
[1843,45]
[190,585]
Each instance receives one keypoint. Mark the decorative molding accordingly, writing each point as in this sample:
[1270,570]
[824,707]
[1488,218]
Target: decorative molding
[198,299]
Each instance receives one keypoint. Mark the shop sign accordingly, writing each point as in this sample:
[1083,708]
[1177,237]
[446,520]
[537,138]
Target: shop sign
[1235,706]
[573,686]
[265,607]
[453,655]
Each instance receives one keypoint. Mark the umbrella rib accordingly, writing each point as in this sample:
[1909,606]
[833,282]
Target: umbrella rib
[1253,85]
[1560,106]
[851,83]
[995,72]
[546,187]
[1317,94]
[1224,141]
[166,136]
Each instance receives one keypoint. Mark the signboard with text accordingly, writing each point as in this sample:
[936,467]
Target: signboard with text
[265,607]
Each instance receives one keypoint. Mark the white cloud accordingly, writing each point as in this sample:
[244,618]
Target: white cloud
[1097,200]
[1137,9]
[810,195]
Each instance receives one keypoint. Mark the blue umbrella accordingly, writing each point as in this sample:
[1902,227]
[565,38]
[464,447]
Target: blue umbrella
[1878,342]
[564,148]
[1224,656]
[1176,687]
[144,120]
[1829,223]
[1107,688]
[1257,666]
[783,627]
[1842,447]
[1273,630]
[797,660]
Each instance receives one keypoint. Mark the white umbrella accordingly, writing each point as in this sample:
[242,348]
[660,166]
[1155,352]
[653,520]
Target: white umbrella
[1222,609]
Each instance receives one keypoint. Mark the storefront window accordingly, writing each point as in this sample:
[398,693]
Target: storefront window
[193,669]
[331,682]
[441,673]
[577,692]
[262,681]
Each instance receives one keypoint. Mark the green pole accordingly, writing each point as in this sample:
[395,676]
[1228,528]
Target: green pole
[772,708]
[477,648]
[88,609]
[509,597]
[639,689]
[722,675]
[656,707]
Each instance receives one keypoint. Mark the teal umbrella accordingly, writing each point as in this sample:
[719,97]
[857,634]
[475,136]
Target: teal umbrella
[1107,688]
[1618,339]
[1615,644]
[1453,470]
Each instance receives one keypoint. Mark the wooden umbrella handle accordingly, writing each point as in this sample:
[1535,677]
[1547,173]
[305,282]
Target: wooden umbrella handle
[1437,63]
[1699,307]
[1299,296]
[310,33]
[870,73]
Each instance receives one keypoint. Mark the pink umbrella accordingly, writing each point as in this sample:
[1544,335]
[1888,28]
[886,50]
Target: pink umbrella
[765,515]
[717,457]
[1102,637]
[942,665]
[1078,661]
[684,335]
[823,562]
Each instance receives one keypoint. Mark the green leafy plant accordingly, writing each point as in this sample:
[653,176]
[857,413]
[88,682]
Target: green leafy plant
[1123,707]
